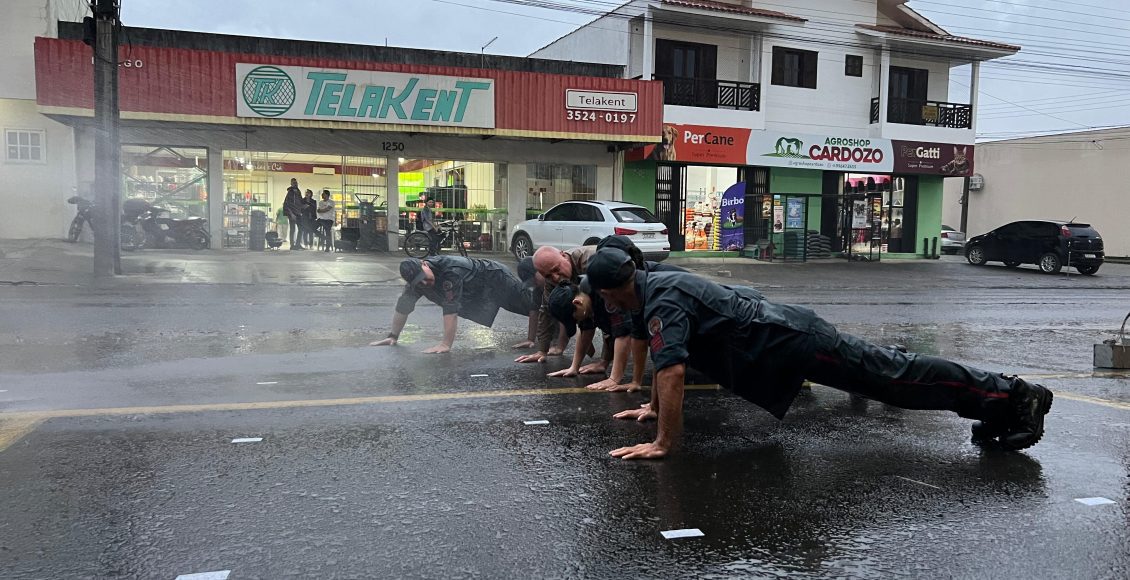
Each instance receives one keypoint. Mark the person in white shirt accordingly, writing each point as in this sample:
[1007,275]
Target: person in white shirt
[326,209]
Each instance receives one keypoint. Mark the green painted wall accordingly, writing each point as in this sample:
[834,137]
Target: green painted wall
[929,210]
[787,180]
[639,183]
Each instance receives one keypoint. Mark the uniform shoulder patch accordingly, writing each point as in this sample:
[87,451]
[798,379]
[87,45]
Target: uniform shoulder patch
[655,329]
[654,326]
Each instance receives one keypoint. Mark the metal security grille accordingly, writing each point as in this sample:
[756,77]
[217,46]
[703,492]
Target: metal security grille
[670,199]
[757,228]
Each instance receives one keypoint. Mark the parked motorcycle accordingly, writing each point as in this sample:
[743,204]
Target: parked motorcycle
[161,232]
[85,215]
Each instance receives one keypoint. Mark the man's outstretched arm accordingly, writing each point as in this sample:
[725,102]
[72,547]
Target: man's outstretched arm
[450,325]
[398,321]
[668,393]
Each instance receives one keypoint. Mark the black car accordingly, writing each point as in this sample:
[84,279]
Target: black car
[1048,244]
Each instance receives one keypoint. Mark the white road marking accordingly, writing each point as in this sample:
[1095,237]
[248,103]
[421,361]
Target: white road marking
[477,376]
[918,482]
[1093,501]
[268,383]
[688,533]
[3,390]
[247,440]
[538,422]
[217,575]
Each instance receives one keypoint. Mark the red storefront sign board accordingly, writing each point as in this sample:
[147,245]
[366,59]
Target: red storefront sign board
[174,84]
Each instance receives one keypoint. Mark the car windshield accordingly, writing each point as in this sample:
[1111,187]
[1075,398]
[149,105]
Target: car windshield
[634,215]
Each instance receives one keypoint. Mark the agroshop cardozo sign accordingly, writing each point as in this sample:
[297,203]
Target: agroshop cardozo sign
[737,146]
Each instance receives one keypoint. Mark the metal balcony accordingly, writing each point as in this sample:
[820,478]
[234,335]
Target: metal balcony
[710,93]
[919,112]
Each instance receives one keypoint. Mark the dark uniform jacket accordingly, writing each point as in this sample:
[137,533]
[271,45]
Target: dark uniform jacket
[462,286]
[732,334]
[610,321]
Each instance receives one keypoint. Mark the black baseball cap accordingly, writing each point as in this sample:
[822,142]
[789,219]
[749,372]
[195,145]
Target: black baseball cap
[412,270]
[623,243]
[561,306]
[526,270]
[610,268]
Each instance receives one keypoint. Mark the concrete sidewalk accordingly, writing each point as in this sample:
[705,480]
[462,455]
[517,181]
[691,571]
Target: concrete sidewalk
[55,262]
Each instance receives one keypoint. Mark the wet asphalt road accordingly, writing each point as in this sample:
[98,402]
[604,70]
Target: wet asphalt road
[120,403]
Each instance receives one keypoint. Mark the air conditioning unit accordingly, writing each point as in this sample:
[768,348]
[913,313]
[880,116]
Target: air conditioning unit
[976,182]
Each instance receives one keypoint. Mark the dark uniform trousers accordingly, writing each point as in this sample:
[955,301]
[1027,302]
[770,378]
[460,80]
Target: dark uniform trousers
[907,380]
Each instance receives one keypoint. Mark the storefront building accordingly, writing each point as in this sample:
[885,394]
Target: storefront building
[795,196]
[216,126]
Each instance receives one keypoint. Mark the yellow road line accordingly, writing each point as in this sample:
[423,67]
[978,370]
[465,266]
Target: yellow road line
[13,429]
[293,404]
[1093,400]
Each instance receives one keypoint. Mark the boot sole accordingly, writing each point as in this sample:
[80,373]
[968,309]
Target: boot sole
[1045,408]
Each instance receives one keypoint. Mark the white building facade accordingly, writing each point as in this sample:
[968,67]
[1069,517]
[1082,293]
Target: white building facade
[37,168]
[825,110]
[1069,176]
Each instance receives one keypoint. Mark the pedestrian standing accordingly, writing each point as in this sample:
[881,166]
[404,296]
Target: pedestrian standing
[292,207]
[309,218]
[326,209]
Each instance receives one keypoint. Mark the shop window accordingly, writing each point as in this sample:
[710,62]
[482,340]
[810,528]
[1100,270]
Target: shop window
[853,65]
[173,178]
[549,185]
[794,68]
[24,146]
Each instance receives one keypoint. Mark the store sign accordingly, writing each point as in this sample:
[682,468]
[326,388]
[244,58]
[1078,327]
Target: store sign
[732,209]
[933,158]
[294,92]
[736,146]
[601,101]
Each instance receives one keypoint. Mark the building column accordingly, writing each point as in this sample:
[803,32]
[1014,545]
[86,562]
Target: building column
[884,88]
[648,48]
[974,91]
[605,181]
[515,197]
[392,197]
[216,196]
[765,68]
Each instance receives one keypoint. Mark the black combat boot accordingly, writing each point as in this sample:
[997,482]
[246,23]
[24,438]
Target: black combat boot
[1030,403]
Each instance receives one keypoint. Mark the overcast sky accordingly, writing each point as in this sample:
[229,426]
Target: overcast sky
[1074,72]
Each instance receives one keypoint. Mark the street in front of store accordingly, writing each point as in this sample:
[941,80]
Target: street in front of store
[121,405]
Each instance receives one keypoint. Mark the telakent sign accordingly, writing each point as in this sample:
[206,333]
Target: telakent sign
[295,92]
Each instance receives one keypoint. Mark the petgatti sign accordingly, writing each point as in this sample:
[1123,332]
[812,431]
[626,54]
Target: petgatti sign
[295,92]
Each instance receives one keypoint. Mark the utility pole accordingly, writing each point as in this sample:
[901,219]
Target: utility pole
[965,206]
[107,149]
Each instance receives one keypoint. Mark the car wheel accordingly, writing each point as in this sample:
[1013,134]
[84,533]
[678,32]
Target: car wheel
[1087,270]
[976,256]
[591,242]
[200,241]
[1050,263]
[1011,263]
[523,247]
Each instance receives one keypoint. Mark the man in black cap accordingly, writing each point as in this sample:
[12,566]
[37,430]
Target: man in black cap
[765,351]
[468,287]
[576,305]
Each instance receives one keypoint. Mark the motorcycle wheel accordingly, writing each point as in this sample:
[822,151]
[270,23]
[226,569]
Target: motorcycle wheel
[200,241]
[76,229]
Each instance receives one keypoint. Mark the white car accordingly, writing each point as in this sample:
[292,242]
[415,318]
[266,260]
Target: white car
[584,223]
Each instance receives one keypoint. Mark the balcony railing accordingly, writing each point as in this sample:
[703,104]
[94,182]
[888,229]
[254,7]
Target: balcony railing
[710,93]
[919,112]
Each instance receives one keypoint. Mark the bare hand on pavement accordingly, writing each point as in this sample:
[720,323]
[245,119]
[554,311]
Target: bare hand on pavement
[386,342]
[555,351]
[531,358]
[438,349]
[641,451]
[569,372]
[524,344]
[644,413]
[594,368]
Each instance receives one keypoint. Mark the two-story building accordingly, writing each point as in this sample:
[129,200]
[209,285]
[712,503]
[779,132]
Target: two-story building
[820,126]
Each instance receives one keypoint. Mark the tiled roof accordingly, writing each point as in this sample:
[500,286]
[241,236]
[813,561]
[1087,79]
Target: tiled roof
[732,8]
[942,37]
